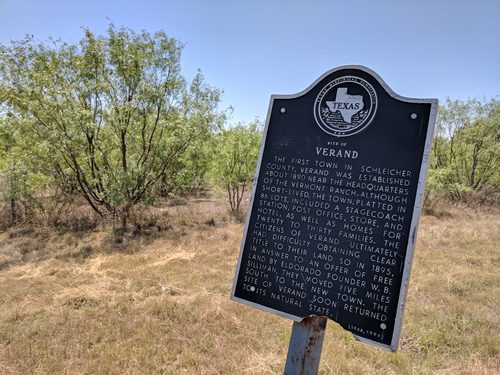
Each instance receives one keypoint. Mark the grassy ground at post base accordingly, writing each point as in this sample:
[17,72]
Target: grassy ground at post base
[158,303]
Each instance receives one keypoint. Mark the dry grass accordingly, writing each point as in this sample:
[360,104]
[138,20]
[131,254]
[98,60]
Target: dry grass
[158,303]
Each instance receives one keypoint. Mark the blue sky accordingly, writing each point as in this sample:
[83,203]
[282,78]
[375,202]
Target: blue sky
[252,49]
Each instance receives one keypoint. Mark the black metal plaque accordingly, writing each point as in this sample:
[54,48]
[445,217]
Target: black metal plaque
[334,211]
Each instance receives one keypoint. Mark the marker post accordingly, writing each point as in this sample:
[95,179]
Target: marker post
[306,342]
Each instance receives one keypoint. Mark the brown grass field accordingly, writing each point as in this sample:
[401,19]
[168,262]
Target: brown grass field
[157,302]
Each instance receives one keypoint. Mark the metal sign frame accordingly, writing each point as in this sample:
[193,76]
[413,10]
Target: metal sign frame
[416,208]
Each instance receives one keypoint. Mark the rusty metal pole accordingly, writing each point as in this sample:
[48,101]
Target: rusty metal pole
[304,351]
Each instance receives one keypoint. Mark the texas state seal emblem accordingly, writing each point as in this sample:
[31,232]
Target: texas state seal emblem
[345,106]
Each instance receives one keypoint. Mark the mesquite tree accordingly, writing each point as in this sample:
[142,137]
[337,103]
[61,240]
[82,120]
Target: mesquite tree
[466,151]
[112,113]
[235,161]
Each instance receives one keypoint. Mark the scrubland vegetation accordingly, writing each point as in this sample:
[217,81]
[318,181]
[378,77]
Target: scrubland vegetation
[112,121]
[122,188]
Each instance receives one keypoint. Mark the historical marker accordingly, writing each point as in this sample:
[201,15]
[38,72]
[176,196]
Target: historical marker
[333,217]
